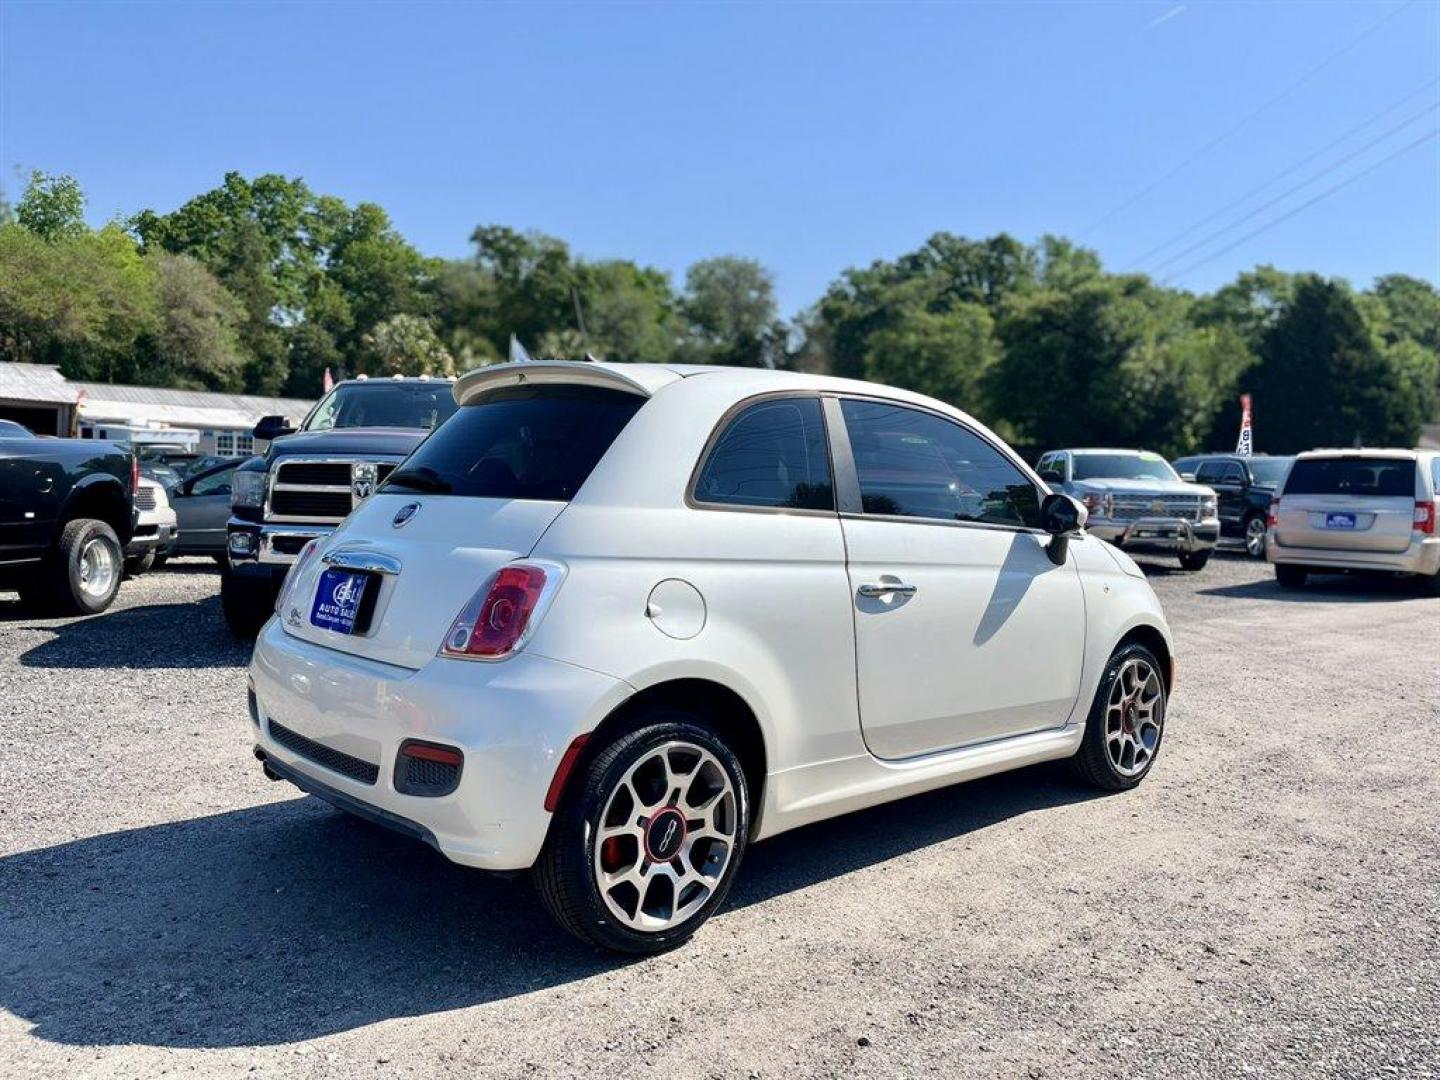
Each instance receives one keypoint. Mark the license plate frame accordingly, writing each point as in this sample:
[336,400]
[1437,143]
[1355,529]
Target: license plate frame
[340,600]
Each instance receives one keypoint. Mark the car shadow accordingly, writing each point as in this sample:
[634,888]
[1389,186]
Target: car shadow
[291,920]
[1324,589]
[158,636]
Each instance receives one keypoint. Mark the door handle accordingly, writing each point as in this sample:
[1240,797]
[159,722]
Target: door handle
[896,588]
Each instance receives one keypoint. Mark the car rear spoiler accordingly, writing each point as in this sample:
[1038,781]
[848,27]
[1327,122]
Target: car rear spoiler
[643,380]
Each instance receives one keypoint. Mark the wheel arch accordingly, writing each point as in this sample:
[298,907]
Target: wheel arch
[1152,638]
[102,498]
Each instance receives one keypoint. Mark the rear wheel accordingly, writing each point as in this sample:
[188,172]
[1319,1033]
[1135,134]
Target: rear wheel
[1126,722]
[647,840]
[1290,577]
[247,604]
[1194,560]
[82,575]
[1255,536]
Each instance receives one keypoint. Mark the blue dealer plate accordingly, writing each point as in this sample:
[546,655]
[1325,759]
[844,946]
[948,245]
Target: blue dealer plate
[1339,521]
[337,600]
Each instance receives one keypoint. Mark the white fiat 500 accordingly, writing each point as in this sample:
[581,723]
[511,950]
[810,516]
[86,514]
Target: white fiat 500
[611,623]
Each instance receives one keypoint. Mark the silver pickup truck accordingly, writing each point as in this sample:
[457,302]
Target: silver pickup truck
[1137,501]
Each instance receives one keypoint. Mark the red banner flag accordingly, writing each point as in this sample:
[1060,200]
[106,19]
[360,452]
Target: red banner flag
[1247,443]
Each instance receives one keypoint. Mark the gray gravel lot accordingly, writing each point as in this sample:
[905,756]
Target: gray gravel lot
[1267,903]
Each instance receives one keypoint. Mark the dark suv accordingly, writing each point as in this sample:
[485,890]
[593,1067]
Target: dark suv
[1245,486]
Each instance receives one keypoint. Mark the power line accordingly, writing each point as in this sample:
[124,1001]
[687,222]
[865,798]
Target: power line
[1139,259]
[1294,188]
[1303,206]
[1198,154]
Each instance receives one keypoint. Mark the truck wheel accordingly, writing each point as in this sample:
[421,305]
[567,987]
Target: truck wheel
[139,564]
[1126,722]
[1290,577]
[82,575]
[247,604]
[1194,560]
[648,837]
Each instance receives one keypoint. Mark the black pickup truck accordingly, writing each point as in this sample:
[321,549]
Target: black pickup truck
[67,510]
[313,476]
[1245,485]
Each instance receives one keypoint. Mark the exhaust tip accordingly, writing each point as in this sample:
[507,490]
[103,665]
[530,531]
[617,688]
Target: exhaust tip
[270,774]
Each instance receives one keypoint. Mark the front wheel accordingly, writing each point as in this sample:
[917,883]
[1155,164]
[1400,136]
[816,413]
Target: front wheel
[1255,536]
[1194,560]
[1126,722]
[648,838]
[247,604]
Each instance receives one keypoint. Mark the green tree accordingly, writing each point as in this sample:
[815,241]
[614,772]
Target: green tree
[406,345]
[52,207]
[1323,378]
[729,304]
[947,355]
[629,312]
[196,341]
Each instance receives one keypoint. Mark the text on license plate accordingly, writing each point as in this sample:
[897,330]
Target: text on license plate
[1339,521]
[337,600]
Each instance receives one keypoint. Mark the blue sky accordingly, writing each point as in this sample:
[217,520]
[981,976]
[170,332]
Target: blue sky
[812,137]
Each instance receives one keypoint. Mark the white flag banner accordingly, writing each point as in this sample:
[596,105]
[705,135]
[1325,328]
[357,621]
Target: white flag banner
[1246,445]
[518,355]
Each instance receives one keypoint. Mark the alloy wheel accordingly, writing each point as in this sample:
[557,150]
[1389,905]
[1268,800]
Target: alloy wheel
[97,569]
[666,837]
[1255,537]
[1134,715]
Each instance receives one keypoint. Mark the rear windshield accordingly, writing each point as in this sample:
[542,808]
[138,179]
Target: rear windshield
[1384,477]
[536,442]
[1269,471]
[1141,466]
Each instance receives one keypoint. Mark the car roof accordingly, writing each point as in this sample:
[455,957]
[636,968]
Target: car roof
[1366,452]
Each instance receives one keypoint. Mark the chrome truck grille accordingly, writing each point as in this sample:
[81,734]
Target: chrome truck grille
[1135,507]
[322,491]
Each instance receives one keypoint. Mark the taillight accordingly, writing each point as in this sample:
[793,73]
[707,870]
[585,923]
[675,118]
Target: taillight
[1273,518]
[1425,513]
[500,618]
[293,574]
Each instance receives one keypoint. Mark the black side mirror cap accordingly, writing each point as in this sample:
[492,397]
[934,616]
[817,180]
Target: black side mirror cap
[272,427]
[1062,517]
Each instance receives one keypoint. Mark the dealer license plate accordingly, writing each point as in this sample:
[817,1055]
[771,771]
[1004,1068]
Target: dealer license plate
[337,600]
[1339,521]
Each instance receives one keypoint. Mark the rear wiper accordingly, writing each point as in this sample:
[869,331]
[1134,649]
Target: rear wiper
[421,478]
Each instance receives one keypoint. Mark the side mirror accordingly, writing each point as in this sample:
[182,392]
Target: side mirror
[1062,517]
[182,489]
[1188,477]
[272,427]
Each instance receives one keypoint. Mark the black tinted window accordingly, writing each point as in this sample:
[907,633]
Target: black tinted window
[772,454]
[519,443]
[917,464]
[1052,469]
[374,403]
[1386,477]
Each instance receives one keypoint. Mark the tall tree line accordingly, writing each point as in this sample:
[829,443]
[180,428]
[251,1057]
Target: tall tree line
[260,285]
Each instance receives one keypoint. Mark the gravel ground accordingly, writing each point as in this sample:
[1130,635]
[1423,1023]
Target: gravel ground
[1267,903]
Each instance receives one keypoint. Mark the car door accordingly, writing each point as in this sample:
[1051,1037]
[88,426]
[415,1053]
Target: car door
[965,630]
[1228,480]
[202,507]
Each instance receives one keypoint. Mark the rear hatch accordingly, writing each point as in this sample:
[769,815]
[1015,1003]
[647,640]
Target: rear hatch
[1348,503]
[479,493]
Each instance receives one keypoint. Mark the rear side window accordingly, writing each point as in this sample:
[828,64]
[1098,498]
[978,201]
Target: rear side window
[916,464]
[1382,477]
[538,442]
[772,454]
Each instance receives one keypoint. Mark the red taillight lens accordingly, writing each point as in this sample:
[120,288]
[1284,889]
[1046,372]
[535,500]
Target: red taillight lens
[1273,518]
[1425,513]
[500,617]
[134,475]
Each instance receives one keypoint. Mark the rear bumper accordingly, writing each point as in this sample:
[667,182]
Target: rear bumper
[1159,534]
[512,721]
[1421,557]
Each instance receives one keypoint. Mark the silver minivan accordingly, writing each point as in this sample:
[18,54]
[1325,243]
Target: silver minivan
[1345,510]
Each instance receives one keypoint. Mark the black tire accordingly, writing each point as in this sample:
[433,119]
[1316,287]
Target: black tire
[1290,577]
[563,874]
[247,604]
[58,587]
[1245,535]
[1194,560]
[140,564]
[1092,763]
